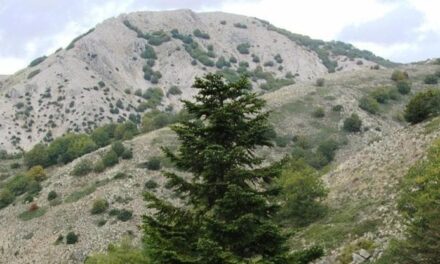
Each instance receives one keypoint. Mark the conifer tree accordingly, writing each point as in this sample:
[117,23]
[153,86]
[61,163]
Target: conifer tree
[224,210]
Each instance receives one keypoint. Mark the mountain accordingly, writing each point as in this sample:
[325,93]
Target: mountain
[308,109]
[101,76]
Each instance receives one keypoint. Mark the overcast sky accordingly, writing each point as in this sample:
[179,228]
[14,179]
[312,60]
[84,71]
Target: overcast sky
[399,30]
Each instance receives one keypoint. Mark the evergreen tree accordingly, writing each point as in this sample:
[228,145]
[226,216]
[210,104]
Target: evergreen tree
[225,209]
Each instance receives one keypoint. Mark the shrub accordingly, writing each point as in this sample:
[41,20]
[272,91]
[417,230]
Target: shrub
[243,48]
[306,256]
[198,33]
[38,155]
[82,168]
[431,79]
[52,195]
[36,173]
[154,163]
[110,158]
[37,61]
[151,184]
[33,212]
[123,253]
[319,112]
[124,215]
[320,82]
[232,59]
[422,106]
[125,130]
[15,165]
[71,238]
[99,206]
[158,37]
[6,198]
[222,62]
[418,203]
[33,73]
[155,120]
[127,154]
[381,95]
[149,53]
[268,64]
[240,25]
[404,87]
[118,148]
[302,193]
[174,90]
[18,184]
[369,104]
[99,166]
[352,123]
[278,58]
[103,135]
[328,148]
[399,75]
[337,108]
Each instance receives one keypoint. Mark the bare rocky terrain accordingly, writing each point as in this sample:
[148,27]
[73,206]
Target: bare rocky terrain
[93,80]
[106,66]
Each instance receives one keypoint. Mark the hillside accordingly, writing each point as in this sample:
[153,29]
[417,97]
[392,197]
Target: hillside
[107,74]
[362,179]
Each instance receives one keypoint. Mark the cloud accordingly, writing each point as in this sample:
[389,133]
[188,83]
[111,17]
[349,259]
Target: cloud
[410,32]
[398,26]
[32,28]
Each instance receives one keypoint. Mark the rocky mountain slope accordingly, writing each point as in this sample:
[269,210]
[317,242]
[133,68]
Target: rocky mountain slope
[104,75]
[362,180]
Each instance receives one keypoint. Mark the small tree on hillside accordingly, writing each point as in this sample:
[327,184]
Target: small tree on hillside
[226,213]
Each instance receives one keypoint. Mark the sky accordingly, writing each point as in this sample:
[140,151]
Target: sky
[399,30]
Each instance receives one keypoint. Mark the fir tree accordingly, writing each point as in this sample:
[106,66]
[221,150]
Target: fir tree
[225,210]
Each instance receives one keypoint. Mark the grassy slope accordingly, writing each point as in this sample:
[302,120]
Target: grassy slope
[362,180]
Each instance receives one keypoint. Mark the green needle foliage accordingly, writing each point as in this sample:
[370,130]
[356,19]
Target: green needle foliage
[226,210]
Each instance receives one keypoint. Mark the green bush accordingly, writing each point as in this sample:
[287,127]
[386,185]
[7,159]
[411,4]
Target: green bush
[110,159]
[6,198]
[127,154]
[174,90]
[381,95]
[103,135]
[240,25]
[36,173]
[198,33]
[243,48]
[318,112]
[328,148]
[82,168]
[154,163]
[158,37]
[124,215]
[399,75]
[38,155]
[422,106]
[198,53]
[99,166]
[320,82]
[352,123]
[151,184]
[431,79]
[302,194]
[33,73]
[52,195]
[118,148]
[337,108]
[37,61]
[369,104]
[125,131]
[71,238]
[418,203]
[306,256]
[149,53]
[123,253]
[404,87]
[99,206]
